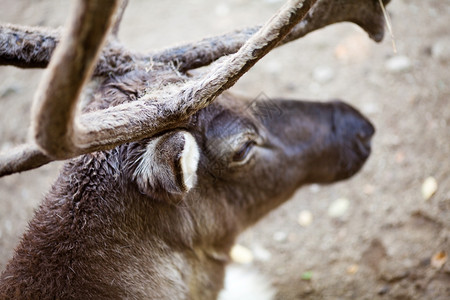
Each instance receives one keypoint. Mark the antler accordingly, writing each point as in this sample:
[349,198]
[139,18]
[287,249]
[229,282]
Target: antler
[22,158]
[32,48]
[62,133]
[366,13]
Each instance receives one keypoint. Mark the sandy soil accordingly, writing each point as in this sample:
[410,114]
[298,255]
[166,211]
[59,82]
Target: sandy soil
[381,245]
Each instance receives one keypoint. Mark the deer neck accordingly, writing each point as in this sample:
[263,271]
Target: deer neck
[94,234]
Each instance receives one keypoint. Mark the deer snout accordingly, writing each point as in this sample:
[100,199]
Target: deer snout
[352,125]
[354,133]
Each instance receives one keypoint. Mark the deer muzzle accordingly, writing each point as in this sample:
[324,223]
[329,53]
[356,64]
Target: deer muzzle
[326,142]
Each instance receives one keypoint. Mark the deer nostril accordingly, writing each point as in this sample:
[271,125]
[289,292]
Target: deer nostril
[365,134]
[364,138]
[366,131]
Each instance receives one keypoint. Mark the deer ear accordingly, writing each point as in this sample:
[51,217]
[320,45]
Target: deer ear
[167,169]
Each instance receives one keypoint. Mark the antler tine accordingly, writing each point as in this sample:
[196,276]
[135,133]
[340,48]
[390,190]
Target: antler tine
[366,13]
[118,18]
[22,158]
[69,70]
[33,47]
[26,47]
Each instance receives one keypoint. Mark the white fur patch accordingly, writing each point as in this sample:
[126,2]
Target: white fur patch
[189,160]
[144,172]
[150,169]
[244,283]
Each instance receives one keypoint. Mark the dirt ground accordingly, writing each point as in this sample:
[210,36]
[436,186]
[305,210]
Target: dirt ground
[381,245]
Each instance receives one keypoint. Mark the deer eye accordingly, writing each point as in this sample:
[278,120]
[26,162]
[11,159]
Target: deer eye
[243,152]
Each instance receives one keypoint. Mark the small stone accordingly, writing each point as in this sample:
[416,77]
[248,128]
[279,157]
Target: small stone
[370,108]
[399,157]
[438,260]
[441,50]
[280,236]
[261,253]
[384,290]
[241,254]
[352,269]
[323,74]
[429,188]
[314,188]
[305,218]
[353,48]
[338,208]
[399,63]
[306,290]
[368,189]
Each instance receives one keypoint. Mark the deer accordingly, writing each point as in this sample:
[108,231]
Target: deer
[164,166]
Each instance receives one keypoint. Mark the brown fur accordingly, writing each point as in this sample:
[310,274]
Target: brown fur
[98,235]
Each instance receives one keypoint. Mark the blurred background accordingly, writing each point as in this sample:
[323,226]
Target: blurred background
[385,233]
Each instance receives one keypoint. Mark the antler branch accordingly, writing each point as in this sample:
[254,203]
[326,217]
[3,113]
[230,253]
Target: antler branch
[26,47]
[22,158]
[118,18]
[366,13]
[69,70]
[116,59]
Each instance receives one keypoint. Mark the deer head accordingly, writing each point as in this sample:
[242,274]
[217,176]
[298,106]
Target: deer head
[166,168]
